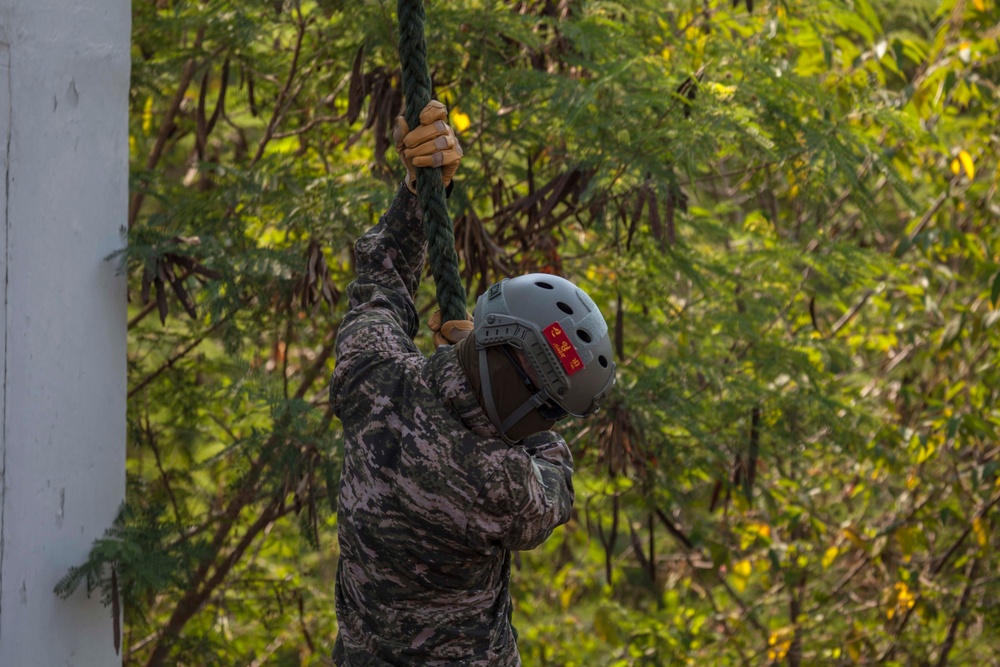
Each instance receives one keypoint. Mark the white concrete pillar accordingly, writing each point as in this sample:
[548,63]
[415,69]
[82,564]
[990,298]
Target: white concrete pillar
[64,81]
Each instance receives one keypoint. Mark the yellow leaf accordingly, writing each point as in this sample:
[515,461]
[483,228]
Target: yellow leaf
[966,160]
[754,531]
[147,116]
[955,167]
[854,537]
[980,5]
[829,556]
[980,530]
[723,93]
[459,120]
[741,575]
[566,597]
[905,600]
[779,643]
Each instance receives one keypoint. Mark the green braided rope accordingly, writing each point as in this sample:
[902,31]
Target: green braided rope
[430,187]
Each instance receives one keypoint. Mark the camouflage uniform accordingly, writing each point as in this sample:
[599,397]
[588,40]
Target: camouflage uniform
[432,501]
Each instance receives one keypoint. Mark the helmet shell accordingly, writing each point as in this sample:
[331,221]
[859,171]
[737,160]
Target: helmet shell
[560,330]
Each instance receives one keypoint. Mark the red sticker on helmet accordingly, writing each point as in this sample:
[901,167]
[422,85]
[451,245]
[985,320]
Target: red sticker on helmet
[563,348]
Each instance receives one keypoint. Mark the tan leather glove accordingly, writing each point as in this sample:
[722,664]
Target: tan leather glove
[432,144]
[449,332]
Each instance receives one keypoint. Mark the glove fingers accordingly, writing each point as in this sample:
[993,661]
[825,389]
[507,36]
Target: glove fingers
[434,323]
[456,330]
[432,112]
[432,144]
[425,133]
[452,331]
[438,159]
[448,172]
[400,129]
[436,145]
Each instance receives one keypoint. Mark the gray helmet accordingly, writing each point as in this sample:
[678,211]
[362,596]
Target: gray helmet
[561,332]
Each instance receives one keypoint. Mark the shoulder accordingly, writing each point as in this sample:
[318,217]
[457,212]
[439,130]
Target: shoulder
[373,354]
[370,333]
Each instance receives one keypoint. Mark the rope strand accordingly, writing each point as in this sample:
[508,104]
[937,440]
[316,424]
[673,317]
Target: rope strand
[430,187]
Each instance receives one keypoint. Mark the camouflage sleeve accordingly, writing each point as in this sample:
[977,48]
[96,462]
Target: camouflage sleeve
[551,448]
[390,258]
[528,497]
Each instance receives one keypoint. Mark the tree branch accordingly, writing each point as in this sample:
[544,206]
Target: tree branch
[196,595]
[167,124]
[956,620]
[279,104]
[174,359]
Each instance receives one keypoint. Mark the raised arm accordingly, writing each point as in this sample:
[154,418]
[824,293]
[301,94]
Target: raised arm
[390,257]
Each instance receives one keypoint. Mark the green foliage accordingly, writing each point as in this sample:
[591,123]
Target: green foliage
[139,545]
[787,210]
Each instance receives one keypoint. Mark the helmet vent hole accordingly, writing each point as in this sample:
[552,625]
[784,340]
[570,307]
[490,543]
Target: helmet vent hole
[564,307]
[603,361]
[543,284]
[583,335]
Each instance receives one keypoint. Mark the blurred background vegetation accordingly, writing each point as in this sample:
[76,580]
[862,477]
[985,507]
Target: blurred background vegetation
[788,211]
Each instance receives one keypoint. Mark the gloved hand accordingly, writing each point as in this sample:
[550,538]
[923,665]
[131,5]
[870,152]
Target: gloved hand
[432,144]
[450,332]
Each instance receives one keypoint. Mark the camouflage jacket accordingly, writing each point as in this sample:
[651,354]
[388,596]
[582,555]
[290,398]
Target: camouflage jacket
[432,501]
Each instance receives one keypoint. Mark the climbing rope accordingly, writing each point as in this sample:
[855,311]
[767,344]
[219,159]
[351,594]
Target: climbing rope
[430,187]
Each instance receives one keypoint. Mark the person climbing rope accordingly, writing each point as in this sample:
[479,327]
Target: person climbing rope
[449,461]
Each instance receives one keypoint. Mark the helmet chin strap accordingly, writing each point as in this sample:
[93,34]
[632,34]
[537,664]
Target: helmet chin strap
[535,401]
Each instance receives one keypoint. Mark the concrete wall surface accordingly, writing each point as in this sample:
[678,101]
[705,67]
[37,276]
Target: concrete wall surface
[64,81]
